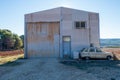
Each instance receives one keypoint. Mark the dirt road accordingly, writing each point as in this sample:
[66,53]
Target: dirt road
[52,69]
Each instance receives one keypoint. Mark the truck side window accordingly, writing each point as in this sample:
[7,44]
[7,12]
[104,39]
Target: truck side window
[92,50]
[98,50]
[86,50]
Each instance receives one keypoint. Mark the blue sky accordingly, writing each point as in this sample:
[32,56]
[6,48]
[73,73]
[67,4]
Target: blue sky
[12,13]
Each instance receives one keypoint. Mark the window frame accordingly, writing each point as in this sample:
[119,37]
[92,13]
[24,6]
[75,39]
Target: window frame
[78,24]
[92,51]
[98,49]
[86,50]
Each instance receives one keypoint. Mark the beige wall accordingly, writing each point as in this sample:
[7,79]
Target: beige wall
[52,15]
[43,39]
[79,37]
[64,19]
[94,29]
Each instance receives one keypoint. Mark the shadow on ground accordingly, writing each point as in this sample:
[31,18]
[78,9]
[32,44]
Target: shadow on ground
[92,63]
[12,63]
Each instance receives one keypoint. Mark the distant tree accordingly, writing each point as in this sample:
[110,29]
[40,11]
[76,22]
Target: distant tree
[18,41]
[1,39]
[9,40]
[22,38]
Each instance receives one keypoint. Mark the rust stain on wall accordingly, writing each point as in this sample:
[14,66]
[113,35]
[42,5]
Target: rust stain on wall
[53,30]
[40,38]
[42,31]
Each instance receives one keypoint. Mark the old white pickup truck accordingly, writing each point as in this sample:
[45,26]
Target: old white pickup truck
[93,52]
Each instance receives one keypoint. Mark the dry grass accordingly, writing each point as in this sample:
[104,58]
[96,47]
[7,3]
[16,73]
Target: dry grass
[9,56]
[4,60]
[115,51]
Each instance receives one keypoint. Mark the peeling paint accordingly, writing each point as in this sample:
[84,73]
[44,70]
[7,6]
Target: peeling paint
[39,33]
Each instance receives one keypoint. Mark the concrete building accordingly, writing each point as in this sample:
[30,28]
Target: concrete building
[59,32]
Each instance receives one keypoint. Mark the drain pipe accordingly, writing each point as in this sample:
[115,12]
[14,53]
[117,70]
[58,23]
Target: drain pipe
[60,41]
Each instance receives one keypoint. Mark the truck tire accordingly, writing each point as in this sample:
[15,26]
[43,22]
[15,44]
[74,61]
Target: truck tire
[109,58]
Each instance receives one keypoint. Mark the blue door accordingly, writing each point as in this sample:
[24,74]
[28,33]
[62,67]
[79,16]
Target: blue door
[66,46]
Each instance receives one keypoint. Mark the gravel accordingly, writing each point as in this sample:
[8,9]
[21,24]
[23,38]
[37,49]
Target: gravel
[52,69]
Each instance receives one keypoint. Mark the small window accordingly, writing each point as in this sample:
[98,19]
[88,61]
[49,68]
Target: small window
[92,50]
[82,24]
[86,50]
[98,50]
[79,25]
[66,38]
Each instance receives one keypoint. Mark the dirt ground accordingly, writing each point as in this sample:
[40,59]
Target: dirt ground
[53,69]
[115,51]
[11,53]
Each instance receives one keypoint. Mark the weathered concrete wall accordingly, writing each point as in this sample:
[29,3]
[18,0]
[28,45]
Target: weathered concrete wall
[52,15]
[79,37]
[43,39]
[44,31]
[38,42]
[94,29]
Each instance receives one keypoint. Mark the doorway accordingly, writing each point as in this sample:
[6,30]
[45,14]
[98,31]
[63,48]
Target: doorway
[66,46]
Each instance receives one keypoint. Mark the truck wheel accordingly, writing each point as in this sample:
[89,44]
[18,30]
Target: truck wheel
[109,58]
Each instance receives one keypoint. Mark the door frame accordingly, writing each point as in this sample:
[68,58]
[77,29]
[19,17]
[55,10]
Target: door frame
[70,56]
